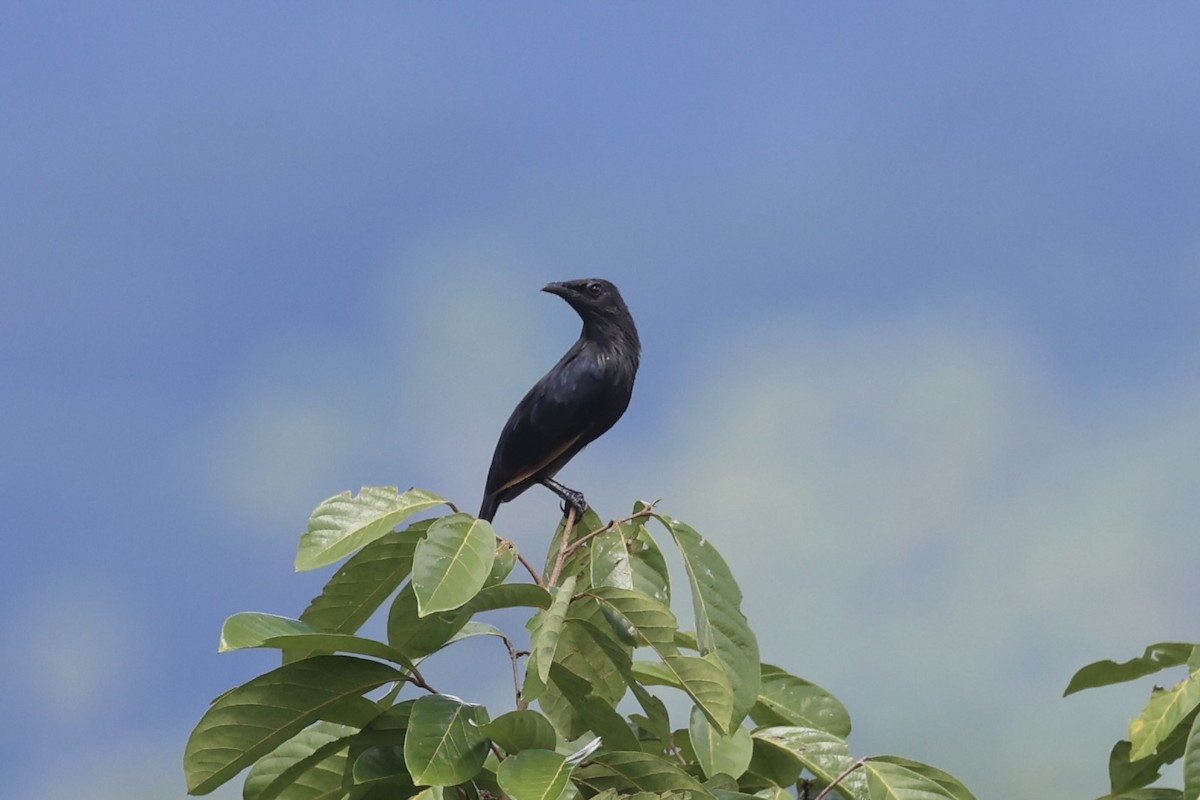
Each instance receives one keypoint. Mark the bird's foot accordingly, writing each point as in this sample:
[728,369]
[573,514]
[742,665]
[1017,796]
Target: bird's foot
[570,498]
[573,500]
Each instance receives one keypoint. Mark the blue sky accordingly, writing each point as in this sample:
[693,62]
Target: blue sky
[917,288]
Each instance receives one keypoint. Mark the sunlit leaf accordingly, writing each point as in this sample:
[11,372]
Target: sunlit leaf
[649,566]
[534,775]
[890,781]
[250,721]
[444,744]
[452,562]
[1126,774]
[609,564]
[717,752]
[721,627]
[1167,709]
[417,637]
[311,764]
[781,752]
[360,586]
[1156,658]
[949,784]
[255,629]
[703,678]
[639,771]
[344,523]
[785,699]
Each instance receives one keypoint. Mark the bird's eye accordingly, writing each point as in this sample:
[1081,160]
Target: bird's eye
[594,289]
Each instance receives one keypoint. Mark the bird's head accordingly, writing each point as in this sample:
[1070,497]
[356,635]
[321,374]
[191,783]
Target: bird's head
[589,296]
[598,302]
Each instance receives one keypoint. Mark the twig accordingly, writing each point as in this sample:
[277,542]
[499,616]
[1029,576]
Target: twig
[416,679]
[568,527]
[529,568]
[513,655]
[533,573]
[648,511]
[840,778]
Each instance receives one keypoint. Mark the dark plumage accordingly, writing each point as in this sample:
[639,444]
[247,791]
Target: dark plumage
[585,393]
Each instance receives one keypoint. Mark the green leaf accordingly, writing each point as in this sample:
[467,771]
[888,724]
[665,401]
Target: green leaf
[345,523]
[473,629]
[1156,658]
[519,730]
[382,763]
[1166,710]
[721,627]
[633,613]
[593,712]
[781,752]
[255,629]
[640,771]
[534,775]
[380,758]
[717,753]
[361,585]
[704,679]
[590,522]
[609,564]
[452,562]
[1125,774]
[951,785]
[417,637]
[444,744]
[310,764]
[250,721]
[551,627]
[1191,762]
[589,649]
[505,561]
[890,781]
[785,699]
[650,575]
[656,720]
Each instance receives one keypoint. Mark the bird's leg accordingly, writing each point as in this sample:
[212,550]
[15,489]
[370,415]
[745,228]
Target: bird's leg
[569,496]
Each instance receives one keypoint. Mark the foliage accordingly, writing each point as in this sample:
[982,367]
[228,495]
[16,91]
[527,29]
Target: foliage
[1165,731]
[334,720]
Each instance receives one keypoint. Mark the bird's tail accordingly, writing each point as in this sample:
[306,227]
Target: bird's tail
[488,509]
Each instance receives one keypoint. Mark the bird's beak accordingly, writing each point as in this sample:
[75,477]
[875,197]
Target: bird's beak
[557,288]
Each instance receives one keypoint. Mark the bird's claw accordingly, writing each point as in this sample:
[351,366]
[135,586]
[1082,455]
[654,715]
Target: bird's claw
[574,500]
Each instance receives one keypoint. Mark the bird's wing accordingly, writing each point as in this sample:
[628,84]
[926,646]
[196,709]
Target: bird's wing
[552,421]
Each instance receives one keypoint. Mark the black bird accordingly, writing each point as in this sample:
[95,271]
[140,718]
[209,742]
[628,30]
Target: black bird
[585,393]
